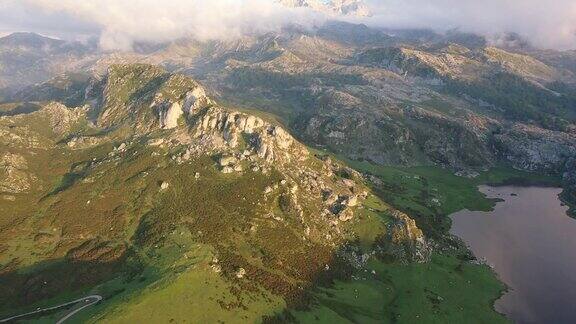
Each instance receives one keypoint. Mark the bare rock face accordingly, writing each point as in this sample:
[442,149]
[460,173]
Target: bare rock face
[405,229]
[147,97]
[228,161]
[228,129]
[178,103]
[164,186]
[169,115]
[405,241]
[169,112]
[240,273]
[14,177]
[195,100]
[351,201]
[84,142]
[229,164]
[62,118]
[536,149]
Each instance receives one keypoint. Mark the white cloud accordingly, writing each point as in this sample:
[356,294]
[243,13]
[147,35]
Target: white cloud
[549,23]
[121,22]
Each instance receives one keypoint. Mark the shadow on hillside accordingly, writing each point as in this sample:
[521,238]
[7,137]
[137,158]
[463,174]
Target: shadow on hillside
[22,109]
[305,296]
[77,172]
[149,89]
[52,282]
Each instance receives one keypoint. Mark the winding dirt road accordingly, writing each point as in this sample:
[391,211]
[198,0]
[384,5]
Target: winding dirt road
[88,300]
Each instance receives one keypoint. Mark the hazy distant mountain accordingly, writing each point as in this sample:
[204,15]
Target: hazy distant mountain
[30,41]
[27,58]
[337,7]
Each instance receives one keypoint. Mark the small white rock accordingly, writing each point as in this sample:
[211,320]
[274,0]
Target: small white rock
[240,273]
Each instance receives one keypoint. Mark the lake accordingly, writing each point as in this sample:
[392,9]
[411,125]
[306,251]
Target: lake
[531,243]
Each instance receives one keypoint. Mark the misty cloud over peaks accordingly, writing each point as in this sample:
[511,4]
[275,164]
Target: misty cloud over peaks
[120,23]
[123,22]
[550,24]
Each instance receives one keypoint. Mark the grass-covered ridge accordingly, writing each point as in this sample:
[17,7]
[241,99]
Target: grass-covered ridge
[182,224]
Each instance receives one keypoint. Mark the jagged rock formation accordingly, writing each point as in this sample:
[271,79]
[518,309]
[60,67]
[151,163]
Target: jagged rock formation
[368,93]
[220,128]
[205,126]
[170,112]
[150,175]
[407,242]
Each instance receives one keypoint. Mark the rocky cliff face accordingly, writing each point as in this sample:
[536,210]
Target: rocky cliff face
[151,166]
[173,102]
[221,128]
[536,149]
[404,240]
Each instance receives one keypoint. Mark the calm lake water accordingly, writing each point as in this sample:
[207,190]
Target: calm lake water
[531,243]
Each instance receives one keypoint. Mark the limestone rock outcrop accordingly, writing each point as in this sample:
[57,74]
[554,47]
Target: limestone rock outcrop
[405,241]
[230,129]
[62,118]
[14,176]
[84,142]
[536,149]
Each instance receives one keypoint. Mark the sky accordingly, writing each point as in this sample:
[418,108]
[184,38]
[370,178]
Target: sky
[119,23]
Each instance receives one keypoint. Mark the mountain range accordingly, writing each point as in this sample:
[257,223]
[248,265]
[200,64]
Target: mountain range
[363,93]
[300,175]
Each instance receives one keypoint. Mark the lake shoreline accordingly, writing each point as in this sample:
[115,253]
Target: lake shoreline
[514,241]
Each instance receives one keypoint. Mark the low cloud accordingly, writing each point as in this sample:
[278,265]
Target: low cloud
[120,23]
[123,22]
[549,24]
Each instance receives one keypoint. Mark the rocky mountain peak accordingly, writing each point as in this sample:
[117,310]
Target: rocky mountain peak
[146,94]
